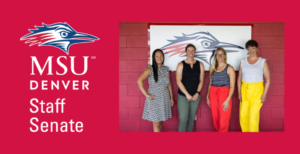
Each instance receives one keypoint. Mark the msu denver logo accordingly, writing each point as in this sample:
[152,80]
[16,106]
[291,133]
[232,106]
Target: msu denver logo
[60,35]
[205,43]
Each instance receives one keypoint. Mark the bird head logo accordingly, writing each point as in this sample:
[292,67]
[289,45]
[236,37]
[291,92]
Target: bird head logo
[205,43]
[60,35]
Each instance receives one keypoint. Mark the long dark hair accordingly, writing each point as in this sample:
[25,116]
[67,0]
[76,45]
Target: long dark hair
[154,64]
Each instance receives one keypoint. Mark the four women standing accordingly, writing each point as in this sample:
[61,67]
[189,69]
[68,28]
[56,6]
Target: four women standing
[189,78]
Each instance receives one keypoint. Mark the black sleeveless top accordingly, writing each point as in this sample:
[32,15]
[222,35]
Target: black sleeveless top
[221,79]
[190,78]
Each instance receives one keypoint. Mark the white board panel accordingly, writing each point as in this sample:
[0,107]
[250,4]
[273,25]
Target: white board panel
[173,39]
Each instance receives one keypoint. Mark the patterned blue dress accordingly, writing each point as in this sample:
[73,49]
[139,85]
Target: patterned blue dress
[158,109]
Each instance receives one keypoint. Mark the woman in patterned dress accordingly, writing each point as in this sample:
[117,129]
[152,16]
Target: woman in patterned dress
[159,98]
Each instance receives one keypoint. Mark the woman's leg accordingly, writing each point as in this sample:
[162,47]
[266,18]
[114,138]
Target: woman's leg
[244,115]
[224,115]
[183,110]
[157,126]
[254,117]
[160,125]
[214,106]
[255,107]
[244,109]
[193,105]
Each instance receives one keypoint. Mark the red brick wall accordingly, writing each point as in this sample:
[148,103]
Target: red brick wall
[133,58]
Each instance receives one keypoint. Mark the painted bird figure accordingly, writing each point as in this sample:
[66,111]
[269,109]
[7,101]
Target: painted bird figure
[60,35]
[205,43]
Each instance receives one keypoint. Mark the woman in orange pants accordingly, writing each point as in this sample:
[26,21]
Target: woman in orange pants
[220,90]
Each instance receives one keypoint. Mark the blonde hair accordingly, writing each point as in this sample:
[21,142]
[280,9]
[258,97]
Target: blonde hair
[215,62]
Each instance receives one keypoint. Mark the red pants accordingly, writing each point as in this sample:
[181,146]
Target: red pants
[217,96]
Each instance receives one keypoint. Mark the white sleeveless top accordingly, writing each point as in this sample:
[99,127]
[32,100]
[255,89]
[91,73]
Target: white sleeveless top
[253,72]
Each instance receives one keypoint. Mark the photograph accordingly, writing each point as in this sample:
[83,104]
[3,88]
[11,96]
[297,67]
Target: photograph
[201,77]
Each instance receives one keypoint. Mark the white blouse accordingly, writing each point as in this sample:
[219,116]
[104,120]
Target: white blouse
[252,72]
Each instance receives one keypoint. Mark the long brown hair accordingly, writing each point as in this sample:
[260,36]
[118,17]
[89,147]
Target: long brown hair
[215,61]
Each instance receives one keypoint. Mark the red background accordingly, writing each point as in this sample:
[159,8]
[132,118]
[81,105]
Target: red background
[133,58]
[98,108]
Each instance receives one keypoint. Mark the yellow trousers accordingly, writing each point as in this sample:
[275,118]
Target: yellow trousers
[250,106]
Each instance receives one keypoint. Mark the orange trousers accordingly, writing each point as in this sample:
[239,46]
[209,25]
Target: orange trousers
[217,96]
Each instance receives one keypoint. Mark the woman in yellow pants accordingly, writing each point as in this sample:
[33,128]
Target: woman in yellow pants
[251,90]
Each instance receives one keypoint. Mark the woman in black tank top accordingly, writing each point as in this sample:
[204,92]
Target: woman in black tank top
[189,78]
